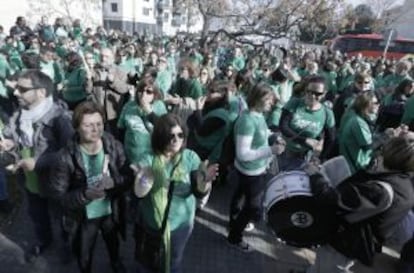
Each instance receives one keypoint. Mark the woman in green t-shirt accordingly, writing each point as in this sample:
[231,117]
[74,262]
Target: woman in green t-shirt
[356,132]
[169,162]
[76,80]
[137,119]
[253,155]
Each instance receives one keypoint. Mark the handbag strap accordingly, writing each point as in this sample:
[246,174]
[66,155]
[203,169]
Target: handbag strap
[170,193]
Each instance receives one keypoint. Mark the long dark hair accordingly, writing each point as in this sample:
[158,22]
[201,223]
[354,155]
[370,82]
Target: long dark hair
[223,87]
[160,138]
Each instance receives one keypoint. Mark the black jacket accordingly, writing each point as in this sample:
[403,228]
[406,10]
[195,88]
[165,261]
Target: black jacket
[362,239]
[69,181]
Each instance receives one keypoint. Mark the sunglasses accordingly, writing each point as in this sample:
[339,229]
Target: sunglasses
[23,89]
[364,82]
[171,137]
[147,91]
[316,93]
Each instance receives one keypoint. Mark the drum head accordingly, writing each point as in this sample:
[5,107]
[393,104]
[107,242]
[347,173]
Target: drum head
[300,221]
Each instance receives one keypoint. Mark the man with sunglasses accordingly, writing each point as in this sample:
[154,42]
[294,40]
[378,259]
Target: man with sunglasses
[307,125]
[37,130]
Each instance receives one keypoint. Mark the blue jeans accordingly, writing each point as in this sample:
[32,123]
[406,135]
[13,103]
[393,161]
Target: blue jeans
[179,239]
[403,232]
[3,185]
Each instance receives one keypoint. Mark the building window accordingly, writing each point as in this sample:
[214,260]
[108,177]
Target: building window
[146,11]
[114,7]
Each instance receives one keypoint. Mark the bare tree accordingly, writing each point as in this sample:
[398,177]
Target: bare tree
[388,12]
[379,7]
[68,9]
[265,20]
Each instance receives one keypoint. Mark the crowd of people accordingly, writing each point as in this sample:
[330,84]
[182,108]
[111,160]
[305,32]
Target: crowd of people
[109,126]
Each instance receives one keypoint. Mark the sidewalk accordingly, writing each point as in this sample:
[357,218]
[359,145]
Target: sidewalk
[206,252]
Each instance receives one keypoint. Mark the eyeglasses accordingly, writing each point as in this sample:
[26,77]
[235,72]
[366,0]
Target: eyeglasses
[147,91]
[316,93]
[375,102]
[171,137]
[23,89]
[364,82]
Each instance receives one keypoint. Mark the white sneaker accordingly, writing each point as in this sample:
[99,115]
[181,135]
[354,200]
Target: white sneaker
[249,227]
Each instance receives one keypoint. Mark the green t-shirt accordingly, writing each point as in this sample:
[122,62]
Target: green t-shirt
[238,63]
[94,169]
[307,123]
[74,88]
[138,128]
[408,116]
[354,142]
[252,124]
[393,80]
[131,65]
[284,91]
[214,141]
[237,104]
[273,117]
[52,70]
[330,80]
[183,203]
[164,81]
[5,70]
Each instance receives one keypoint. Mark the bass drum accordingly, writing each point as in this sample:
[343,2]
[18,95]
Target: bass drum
[294,215]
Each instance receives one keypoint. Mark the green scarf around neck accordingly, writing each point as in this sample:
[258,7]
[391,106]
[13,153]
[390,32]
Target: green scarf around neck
[159,196]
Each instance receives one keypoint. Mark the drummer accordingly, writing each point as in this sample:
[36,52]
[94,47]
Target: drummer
[360,239]
[253,155]
[307,125]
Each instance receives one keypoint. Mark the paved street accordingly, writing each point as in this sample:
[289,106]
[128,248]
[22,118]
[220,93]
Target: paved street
[207,251]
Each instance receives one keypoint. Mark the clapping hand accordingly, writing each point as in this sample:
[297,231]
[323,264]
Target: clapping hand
[96,191]
[206,174]
[174,100]
[144,180]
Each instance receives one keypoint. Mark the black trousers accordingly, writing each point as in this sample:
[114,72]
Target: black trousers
[251,189]
[38,210]
[85,240]
[406,263]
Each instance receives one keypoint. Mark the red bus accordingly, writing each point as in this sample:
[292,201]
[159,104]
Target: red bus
[372,45]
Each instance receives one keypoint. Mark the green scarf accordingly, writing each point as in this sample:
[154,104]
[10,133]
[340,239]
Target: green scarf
[159,196]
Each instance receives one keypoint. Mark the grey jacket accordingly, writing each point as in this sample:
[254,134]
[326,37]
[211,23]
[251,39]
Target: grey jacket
[107,94]
[51,133]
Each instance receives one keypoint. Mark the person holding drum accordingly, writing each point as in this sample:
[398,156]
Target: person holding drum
[390,195]
[307,125]
[253,155]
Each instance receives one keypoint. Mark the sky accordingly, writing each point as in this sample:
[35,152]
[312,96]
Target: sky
[357,2]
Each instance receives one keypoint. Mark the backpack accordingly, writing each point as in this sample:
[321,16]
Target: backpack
[228,152]
[390,115]
[355,237]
